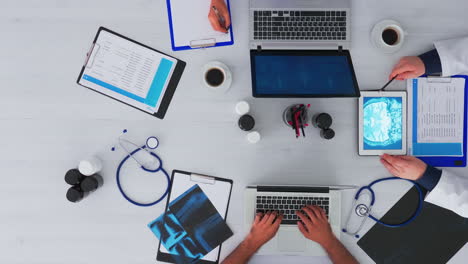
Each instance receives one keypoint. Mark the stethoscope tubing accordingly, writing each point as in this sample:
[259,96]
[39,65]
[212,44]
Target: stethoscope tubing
[119,185]
[373,200]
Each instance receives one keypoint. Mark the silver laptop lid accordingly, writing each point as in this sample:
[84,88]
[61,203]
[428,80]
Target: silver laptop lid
[304,5]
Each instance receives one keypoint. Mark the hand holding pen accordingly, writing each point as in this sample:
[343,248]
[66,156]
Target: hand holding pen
[219,16]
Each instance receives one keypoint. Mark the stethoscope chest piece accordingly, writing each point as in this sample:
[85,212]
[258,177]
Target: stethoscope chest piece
[362,210]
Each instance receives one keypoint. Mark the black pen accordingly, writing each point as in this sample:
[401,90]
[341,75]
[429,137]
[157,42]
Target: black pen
[221,20]
[388,83]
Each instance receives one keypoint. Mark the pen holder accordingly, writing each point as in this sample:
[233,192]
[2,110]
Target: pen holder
[288,118]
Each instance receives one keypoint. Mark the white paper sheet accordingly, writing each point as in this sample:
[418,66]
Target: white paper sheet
[441,110]
[191,25]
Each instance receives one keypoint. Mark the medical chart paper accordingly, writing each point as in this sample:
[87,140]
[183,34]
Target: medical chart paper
[128,72]
[190,24]
[438,116]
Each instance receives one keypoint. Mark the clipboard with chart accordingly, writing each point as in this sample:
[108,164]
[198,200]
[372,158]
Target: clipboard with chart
[217,190]
[190,28]
[437,120]
[130,72]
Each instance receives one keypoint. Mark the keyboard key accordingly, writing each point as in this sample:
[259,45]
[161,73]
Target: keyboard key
[288,222]
[343,13]
[311,13]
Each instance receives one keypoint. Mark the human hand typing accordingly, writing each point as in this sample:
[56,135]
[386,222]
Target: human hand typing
[314,225]
[264,228]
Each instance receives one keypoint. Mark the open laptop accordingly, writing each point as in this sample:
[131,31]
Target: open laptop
[299,48]
[287,200]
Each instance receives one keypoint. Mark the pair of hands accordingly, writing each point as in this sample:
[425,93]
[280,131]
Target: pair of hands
[220,5]
[313,225]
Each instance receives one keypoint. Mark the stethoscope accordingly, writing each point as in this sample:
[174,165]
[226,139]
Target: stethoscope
[151,144]
[364,211]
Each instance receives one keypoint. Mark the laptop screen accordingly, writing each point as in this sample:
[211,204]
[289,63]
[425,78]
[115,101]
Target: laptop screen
[303,74]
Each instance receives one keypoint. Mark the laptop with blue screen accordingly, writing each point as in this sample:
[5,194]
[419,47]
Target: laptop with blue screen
[299,49]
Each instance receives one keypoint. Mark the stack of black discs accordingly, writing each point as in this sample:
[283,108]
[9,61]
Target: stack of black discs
[81,185]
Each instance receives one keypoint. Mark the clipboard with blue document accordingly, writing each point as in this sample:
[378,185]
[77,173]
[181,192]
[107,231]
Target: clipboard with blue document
[437,120]
[131,72]
[218,191]
[190,28]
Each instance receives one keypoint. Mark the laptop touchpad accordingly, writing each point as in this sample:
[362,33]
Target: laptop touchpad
[291,241]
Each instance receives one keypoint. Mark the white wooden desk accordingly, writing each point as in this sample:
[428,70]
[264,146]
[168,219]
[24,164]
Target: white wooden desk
[49,123]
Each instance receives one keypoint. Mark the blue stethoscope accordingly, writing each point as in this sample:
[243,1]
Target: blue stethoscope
[364,211]
[151,144]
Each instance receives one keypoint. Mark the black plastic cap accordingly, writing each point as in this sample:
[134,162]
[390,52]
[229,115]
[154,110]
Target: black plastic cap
[246,122]
[89,184]
[74,194]
[323,121]
[327,133]
[74,177]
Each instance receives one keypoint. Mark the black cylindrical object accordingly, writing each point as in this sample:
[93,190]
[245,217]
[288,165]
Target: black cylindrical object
[75,194]
[92,183]
[327,133]
[322,121]
[74,177]
[246,122]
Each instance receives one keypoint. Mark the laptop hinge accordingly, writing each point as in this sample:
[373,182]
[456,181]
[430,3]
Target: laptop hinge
[299,189]
[340,48]
[259,48]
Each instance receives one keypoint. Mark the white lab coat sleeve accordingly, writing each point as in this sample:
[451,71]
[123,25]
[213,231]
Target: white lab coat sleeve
[453,55]
[451,192]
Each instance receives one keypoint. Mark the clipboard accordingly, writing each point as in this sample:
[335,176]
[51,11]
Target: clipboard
[438,161]
[164,88]
[218,190]
[182,17]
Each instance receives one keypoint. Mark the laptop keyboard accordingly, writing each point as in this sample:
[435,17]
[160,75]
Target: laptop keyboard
[300,25]
[288,205]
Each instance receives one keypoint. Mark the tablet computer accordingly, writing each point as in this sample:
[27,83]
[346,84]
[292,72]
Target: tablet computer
[131,72]
[382,123]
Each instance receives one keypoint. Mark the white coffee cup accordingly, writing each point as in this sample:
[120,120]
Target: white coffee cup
[216,76]
[388,36]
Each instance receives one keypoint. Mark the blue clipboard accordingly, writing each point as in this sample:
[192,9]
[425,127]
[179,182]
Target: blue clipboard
[446,161]
[211,45]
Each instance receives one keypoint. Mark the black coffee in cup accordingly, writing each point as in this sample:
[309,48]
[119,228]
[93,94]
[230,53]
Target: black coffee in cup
[390,36]
[214,77]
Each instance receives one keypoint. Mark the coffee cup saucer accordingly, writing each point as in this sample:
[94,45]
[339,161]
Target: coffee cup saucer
[376,36]
[224,87]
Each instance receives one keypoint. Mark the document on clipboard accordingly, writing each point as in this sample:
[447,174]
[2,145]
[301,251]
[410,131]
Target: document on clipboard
[131,72]
[218,190]
[436,116]
[190,27]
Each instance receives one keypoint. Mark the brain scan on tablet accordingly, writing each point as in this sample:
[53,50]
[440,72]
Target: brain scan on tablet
[382,123]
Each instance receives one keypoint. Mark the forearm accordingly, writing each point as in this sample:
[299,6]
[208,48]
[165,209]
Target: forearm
[338,253]
[242,253]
